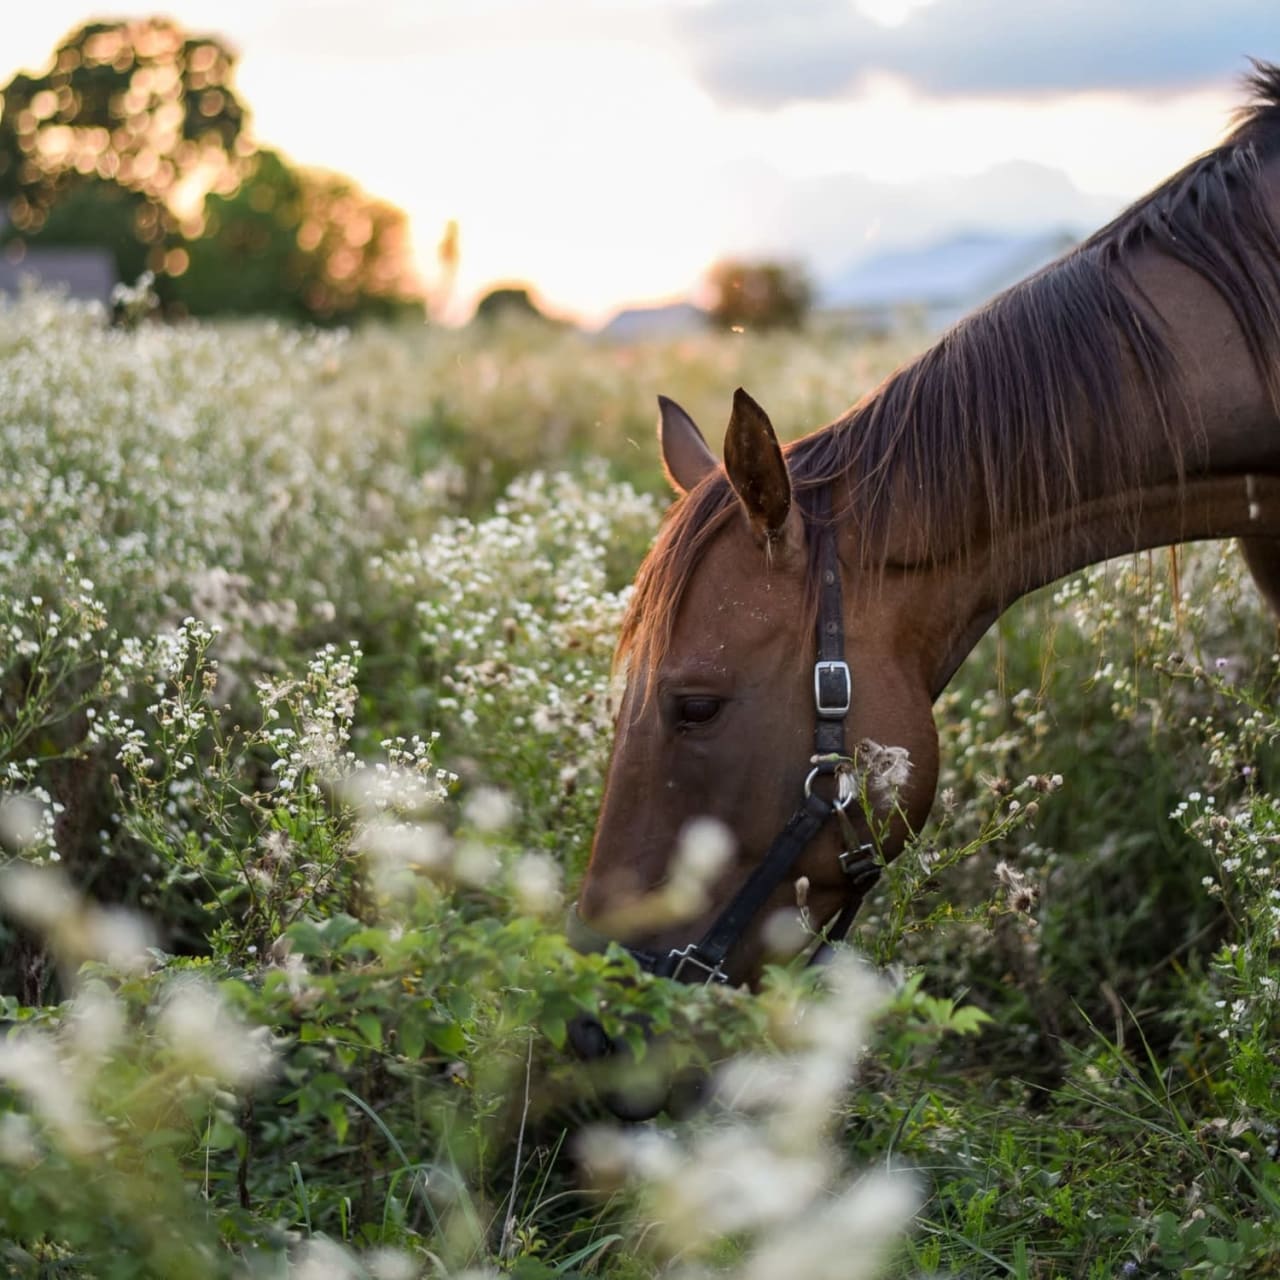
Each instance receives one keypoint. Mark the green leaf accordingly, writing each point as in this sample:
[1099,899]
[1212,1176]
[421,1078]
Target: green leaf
[553,1027]
[412,1036]
[370,1028]
[447,1037]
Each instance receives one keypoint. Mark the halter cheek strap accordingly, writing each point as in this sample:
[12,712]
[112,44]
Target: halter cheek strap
[703,961]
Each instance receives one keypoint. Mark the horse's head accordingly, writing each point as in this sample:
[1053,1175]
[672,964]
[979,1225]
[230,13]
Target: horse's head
[815,774]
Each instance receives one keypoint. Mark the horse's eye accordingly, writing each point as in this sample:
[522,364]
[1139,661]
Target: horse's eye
[699,710]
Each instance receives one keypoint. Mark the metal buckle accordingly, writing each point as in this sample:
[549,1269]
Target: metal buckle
[860,865]
[855,862]
[690,956]
[832,689]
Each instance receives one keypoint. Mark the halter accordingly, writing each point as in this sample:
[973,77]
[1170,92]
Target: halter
[703,961]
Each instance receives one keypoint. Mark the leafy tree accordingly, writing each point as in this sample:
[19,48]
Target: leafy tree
[128,117]
[506,302]
[759,295]
[298,242]
[135,139]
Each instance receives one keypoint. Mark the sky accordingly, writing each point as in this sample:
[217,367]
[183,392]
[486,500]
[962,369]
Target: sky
[607,151]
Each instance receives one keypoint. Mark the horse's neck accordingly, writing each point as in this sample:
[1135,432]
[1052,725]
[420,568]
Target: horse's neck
[1209,468]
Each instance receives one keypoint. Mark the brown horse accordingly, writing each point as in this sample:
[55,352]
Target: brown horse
[1123,398]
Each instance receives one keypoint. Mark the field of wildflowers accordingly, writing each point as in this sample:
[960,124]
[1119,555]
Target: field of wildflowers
[304,650]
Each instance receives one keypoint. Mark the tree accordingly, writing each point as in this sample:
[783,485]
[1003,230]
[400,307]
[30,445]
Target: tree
[509,301]
[135,139]
[759,295]
[302,243]
[130,116]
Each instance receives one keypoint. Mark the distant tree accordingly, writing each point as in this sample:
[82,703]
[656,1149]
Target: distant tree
[302,243]
[509,301]
[759,295]
[129,117]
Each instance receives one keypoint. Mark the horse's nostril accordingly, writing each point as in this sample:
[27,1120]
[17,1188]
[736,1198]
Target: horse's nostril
[588,1039]
[631,1091]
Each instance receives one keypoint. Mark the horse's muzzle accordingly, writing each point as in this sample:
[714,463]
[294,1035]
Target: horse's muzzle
[632,1090]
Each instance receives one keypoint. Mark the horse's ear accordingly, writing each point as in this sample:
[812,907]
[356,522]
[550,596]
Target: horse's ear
[757,469]
[685,456]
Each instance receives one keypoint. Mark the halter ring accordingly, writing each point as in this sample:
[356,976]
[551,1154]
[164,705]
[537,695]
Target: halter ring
[830,765]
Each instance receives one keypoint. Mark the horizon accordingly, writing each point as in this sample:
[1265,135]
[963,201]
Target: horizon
[606,154]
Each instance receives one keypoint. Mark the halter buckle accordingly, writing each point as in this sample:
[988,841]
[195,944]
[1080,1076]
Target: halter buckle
[689,956]
[860,862]
[832,689]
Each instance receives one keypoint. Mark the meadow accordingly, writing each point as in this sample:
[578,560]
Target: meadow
[304,713]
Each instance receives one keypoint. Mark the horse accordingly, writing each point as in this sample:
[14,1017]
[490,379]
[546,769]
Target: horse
[803,607]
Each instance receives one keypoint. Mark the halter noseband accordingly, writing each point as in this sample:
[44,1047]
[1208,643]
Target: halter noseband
[703,961]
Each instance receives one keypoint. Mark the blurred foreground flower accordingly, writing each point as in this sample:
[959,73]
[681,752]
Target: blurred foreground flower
[208,1039]
[761,1166]
[31,1066]
[43,899]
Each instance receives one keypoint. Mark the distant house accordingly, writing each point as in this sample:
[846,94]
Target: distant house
[937,284]
[672,320]
[86,273]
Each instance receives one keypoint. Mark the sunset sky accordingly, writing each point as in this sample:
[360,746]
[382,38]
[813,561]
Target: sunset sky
[608,150]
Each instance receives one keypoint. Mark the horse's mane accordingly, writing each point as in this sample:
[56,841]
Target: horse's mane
[998,405]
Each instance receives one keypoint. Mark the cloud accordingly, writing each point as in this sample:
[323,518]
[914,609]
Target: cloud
[762,54]
[835,221]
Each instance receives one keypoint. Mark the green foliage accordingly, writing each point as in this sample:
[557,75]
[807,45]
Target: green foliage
[298,243]
[759,295]
[304,648]
[97,149]
[125,113]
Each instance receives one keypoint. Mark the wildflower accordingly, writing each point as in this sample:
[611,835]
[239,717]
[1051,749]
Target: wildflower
[703,850]
[18,1140]
[1021,895]
[488,809]
[96,1026]
[475,864]
[844,1239]
[30,1065]
[323,1259]
[390,1264]
[887,769]
[21,822]
[208,1039]
[536,879]
[40,897]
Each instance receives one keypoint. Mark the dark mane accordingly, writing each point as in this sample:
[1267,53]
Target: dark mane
[996,406]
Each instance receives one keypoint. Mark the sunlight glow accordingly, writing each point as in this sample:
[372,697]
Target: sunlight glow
[577,150]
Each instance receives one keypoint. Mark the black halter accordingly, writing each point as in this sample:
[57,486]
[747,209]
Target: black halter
[703,961]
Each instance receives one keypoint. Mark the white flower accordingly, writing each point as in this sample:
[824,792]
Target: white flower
[887,769]
[30,1064]
[18,1140]
[488,809]
[321,1259]
[476,864]
[208,1039]
[704,849]
[844,1239]
[22,821]
[40,897]
[537,880]
[95,1027]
